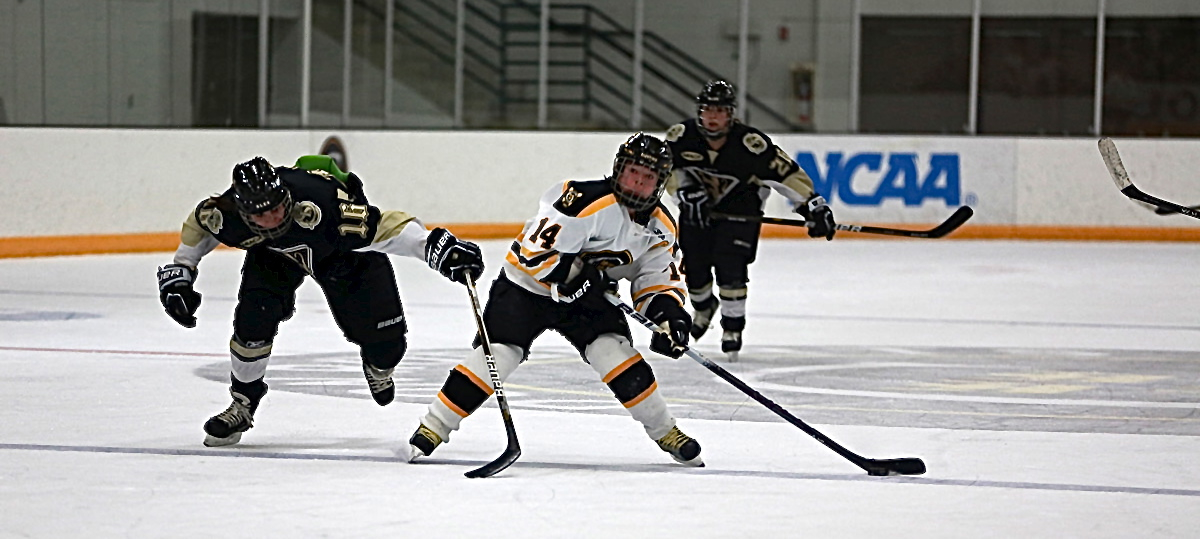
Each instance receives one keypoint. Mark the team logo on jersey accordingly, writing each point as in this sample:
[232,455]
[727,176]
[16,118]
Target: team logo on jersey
[691,156]
[675,132]
[300,254]
[307,214]
[604,260]
[570,197]
[754,142]
[717,185]
[212,219]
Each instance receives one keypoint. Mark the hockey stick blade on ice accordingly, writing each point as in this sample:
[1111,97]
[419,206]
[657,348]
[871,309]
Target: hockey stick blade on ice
[1116,169]
[513,451]
[878,467]
[956,219]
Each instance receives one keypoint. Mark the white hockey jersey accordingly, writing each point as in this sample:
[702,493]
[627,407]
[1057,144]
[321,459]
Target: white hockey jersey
[583,218]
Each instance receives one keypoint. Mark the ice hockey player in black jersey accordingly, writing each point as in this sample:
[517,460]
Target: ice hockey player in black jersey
[308,220]
[727,167]
[586,235]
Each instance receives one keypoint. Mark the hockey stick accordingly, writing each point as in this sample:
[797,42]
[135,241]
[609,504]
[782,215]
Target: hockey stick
[880,467]
[513,451]
[1164,211]
[951,223]
[1108,151]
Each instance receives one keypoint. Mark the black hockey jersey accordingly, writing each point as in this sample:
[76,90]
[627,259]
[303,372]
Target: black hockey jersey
[737,176]
[328,218]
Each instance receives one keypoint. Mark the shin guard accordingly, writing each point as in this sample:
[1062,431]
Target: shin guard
[632,381]
[467,387]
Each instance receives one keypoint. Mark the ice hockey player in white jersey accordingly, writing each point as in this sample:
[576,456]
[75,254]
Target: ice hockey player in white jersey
[586,235]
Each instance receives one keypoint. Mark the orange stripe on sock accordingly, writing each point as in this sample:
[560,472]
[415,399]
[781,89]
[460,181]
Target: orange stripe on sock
[486,387]
[653,387]
[621,368]
[453,407]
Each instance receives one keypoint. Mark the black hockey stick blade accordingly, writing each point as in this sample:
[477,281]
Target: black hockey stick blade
[956,219]
[1116,169]
[901,466]
[507,458]
[878,467]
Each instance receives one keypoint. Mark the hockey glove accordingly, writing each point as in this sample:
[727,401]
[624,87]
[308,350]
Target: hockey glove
[587,288]
[672,341]
[815,211]
[176,293]
[452,257]
[694,206]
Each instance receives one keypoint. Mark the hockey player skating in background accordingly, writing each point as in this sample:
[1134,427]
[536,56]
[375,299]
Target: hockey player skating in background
[308,220]
[725,166]
[586,235]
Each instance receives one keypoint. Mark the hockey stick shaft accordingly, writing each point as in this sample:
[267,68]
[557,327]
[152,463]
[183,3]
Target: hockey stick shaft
[513,451]
[956,219]
[1116,169]
[901,466]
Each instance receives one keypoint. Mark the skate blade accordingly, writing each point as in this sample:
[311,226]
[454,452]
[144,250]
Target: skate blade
[213,441]
[415,453]
[732,356]
[694,463]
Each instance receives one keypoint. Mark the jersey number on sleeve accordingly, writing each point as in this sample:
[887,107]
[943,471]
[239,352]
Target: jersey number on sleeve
[782,163]
[547,235]
[354,219]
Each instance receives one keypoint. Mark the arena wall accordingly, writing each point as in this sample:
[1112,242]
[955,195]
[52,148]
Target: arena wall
[76,191]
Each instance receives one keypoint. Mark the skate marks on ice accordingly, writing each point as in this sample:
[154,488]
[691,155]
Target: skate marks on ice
[614,468]
[1053,390]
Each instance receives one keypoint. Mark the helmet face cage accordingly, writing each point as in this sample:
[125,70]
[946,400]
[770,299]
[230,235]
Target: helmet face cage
[716,93]
[647,151]
[257,189]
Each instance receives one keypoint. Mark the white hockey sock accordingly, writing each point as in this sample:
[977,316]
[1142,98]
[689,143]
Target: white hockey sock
[631,379]
[446,412]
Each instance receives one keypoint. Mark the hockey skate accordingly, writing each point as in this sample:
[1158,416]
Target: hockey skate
[423,442]
[683,448]
[702,318]
[383,390]
[731,344]
[226,428]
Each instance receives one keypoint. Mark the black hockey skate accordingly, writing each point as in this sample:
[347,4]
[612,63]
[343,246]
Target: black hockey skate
[383,390]
[731,344]
[423,442]
[226,428]
[683,448]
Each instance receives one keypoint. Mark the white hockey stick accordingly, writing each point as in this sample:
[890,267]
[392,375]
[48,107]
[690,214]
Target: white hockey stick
[1116,169]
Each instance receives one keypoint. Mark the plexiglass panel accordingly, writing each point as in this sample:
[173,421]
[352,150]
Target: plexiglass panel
[914,74]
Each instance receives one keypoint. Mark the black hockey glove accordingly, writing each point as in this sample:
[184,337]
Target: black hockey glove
[176,293]
[587,288]
[818,213]
[453,257]
[694,206]
[675,324]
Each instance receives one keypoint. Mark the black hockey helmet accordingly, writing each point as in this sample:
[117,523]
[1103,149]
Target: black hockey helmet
[650,152]
[716,93]
[258,189]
